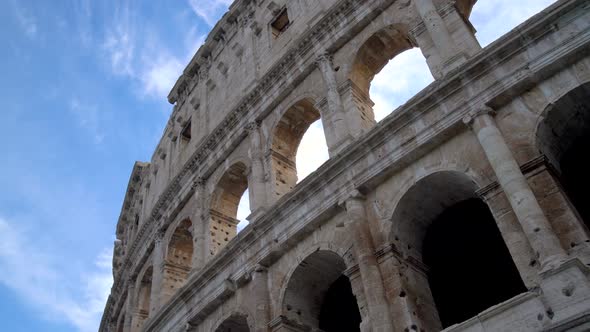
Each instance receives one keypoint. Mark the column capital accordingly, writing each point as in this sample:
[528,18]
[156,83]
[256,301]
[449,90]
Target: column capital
[189,327]
[260,268]
[159,236]
[253,126]
[323,59]
[199,182]
[131,281]
[477,112]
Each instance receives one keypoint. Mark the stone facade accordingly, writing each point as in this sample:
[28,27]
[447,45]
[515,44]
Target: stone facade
[462,210]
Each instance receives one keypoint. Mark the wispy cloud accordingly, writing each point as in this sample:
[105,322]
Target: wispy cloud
[135,51]
[88,117]
[210,10]
[39,279]
[26,20]
[159,74]
[120,42]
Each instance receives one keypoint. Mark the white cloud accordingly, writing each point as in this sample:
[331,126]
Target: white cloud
[210,10]
[158,76]
[41,281]
[135,51]
[26,20]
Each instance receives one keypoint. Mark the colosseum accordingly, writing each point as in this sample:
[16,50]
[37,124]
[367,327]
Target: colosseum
[462,210]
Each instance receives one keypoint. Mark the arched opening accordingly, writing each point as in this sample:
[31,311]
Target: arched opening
[563,137]
[144,297]
[386,72]
[442,223]
[178,262]
[224,206]
[464,250]
[235,323]
[243,211]
[300,119]
[319,295]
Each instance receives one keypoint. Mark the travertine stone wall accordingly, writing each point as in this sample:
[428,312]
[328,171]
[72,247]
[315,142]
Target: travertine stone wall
[494,128]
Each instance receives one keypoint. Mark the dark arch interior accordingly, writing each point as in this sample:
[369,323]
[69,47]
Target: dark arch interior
[575,179]
[236,323]
[339,309]
[319,295]
[563,137]
[470,268]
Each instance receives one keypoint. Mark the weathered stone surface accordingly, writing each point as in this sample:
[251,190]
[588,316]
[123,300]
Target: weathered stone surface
[391,229]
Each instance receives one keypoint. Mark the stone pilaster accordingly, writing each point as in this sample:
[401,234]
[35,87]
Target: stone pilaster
[158,272]
[334,119]
[131,303]
[260,289]
[201,127]
[515,239]
[461,30]
[257,181]
[359,107]
[524,203]
[408,292]
[200,223]
[364,249]
[564,219]
[438,31]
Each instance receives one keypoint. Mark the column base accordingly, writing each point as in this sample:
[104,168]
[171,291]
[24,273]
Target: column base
[566,291]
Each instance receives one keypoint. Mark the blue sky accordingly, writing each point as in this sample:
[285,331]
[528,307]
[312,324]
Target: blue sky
[83,87]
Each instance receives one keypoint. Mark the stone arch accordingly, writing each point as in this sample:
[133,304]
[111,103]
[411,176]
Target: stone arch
[143,297]
[178,258]
[562,135]
[235,322]
[223,205]
[284,143]
[374,53]
[443,227]
[316,289]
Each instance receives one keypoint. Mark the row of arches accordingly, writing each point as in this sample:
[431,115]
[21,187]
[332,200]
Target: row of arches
[442,223]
